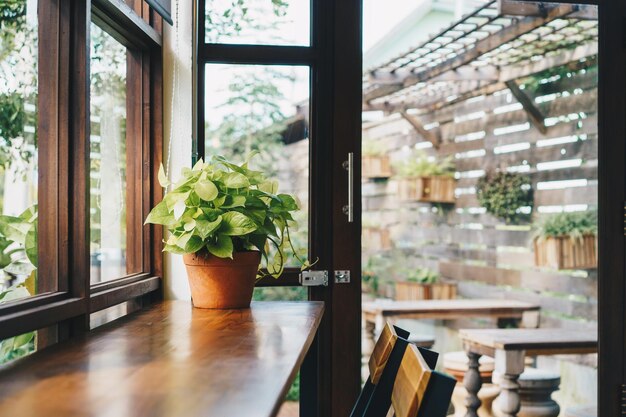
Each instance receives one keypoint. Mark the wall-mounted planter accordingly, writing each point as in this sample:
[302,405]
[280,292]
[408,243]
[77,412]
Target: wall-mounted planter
[376,238]
[406,291]
[375,167]
[427,189]
[566,253]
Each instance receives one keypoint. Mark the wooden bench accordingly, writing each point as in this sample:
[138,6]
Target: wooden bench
[377,313]
[168,360]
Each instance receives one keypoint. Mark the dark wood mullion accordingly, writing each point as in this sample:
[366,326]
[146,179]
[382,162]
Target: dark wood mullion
[107,285]
[134,161]
[256,54]
[289,278]
[23,321]
[31,302]
[78,265]
[103,299]
[125,25]
[611,208]
[48,129]
[146,167]
[199,151]
[155,244]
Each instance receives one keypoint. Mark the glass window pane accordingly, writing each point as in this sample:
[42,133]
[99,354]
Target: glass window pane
[108,157]
[263,108]
[258,22]
[18,162]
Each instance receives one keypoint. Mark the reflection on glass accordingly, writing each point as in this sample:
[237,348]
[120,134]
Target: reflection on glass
[108,157]
[18,163]
[258,22]
[263,108]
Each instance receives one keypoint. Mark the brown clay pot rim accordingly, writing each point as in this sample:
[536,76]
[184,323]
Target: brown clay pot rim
[205,258]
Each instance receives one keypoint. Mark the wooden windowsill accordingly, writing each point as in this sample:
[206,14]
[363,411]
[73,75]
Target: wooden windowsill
[169,360]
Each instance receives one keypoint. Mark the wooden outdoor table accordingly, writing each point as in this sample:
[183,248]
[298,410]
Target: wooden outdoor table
[377,312]
[169,360]
[508,347]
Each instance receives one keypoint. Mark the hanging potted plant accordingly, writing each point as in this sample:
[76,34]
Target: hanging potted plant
[374,161]
[424,284]
[226,219]
[567,241]
[375,237]
[426,179]
[506,195]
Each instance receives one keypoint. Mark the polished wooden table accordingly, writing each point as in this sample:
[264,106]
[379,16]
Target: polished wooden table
[376,313]
[168,360]
[508,347]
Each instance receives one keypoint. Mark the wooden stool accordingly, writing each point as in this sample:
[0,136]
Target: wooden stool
[426,342]
[582,411]
[456,364]
[536,388]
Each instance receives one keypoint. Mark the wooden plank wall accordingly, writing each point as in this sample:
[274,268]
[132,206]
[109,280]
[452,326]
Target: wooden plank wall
[485,256]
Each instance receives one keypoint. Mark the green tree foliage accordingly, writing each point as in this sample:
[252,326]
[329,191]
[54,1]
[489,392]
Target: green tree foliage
[18,72]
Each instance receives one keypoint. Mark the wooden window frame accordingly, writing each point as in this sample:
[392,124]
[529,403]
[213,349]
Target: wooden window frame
[66,297]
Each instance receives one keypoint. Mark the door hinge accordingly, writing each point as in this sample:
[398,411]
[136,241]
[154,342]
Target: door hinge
[342,277]
[314,278]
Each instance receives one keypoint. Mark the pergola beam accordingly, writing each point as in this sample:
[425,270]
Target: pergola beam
[588,52]
[534,114]
[538,9]
[491,42]
[419,128]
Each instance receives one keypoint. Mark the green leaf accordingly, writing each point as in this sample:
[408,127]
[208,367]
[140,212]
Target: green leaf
[14,228]
[289,203]
[269,186]
[174,249]
[31,244]
[206,190]
[190,225]
[163,178]
[222,247]
[204,227]
[236,180]
[179,209]
[237,224]
[14,294]
[182,240]
[234,201]
[160,214]
[194,244]
[20,267]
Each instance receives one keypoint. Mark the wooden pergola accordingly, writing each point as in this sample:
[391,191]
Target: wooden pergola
[492,48]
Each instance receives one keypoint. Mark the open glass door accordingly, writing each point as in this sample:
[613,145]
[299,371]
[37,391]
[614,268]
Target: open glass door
[270,79]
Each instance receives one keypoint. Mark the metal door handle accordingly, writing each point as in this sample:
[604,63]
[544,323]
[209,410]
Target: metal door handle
[348,209]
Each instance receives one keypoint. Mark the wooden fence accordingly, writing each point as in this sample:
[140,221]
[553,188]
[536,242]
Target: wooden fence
[488,258]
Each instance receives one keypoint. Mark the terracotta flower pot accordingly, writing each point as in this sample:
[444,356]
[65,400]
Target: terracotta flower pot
[221,282]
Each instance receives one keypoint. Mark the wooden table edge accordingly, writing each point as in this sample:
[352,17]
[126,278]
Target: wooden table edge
[303,352]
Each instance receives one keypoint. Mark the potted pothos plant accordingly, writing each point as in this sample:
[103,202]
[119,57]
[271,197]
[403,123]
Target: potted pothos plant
[226,220]
[426,179]
[567,241]
[424,284]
